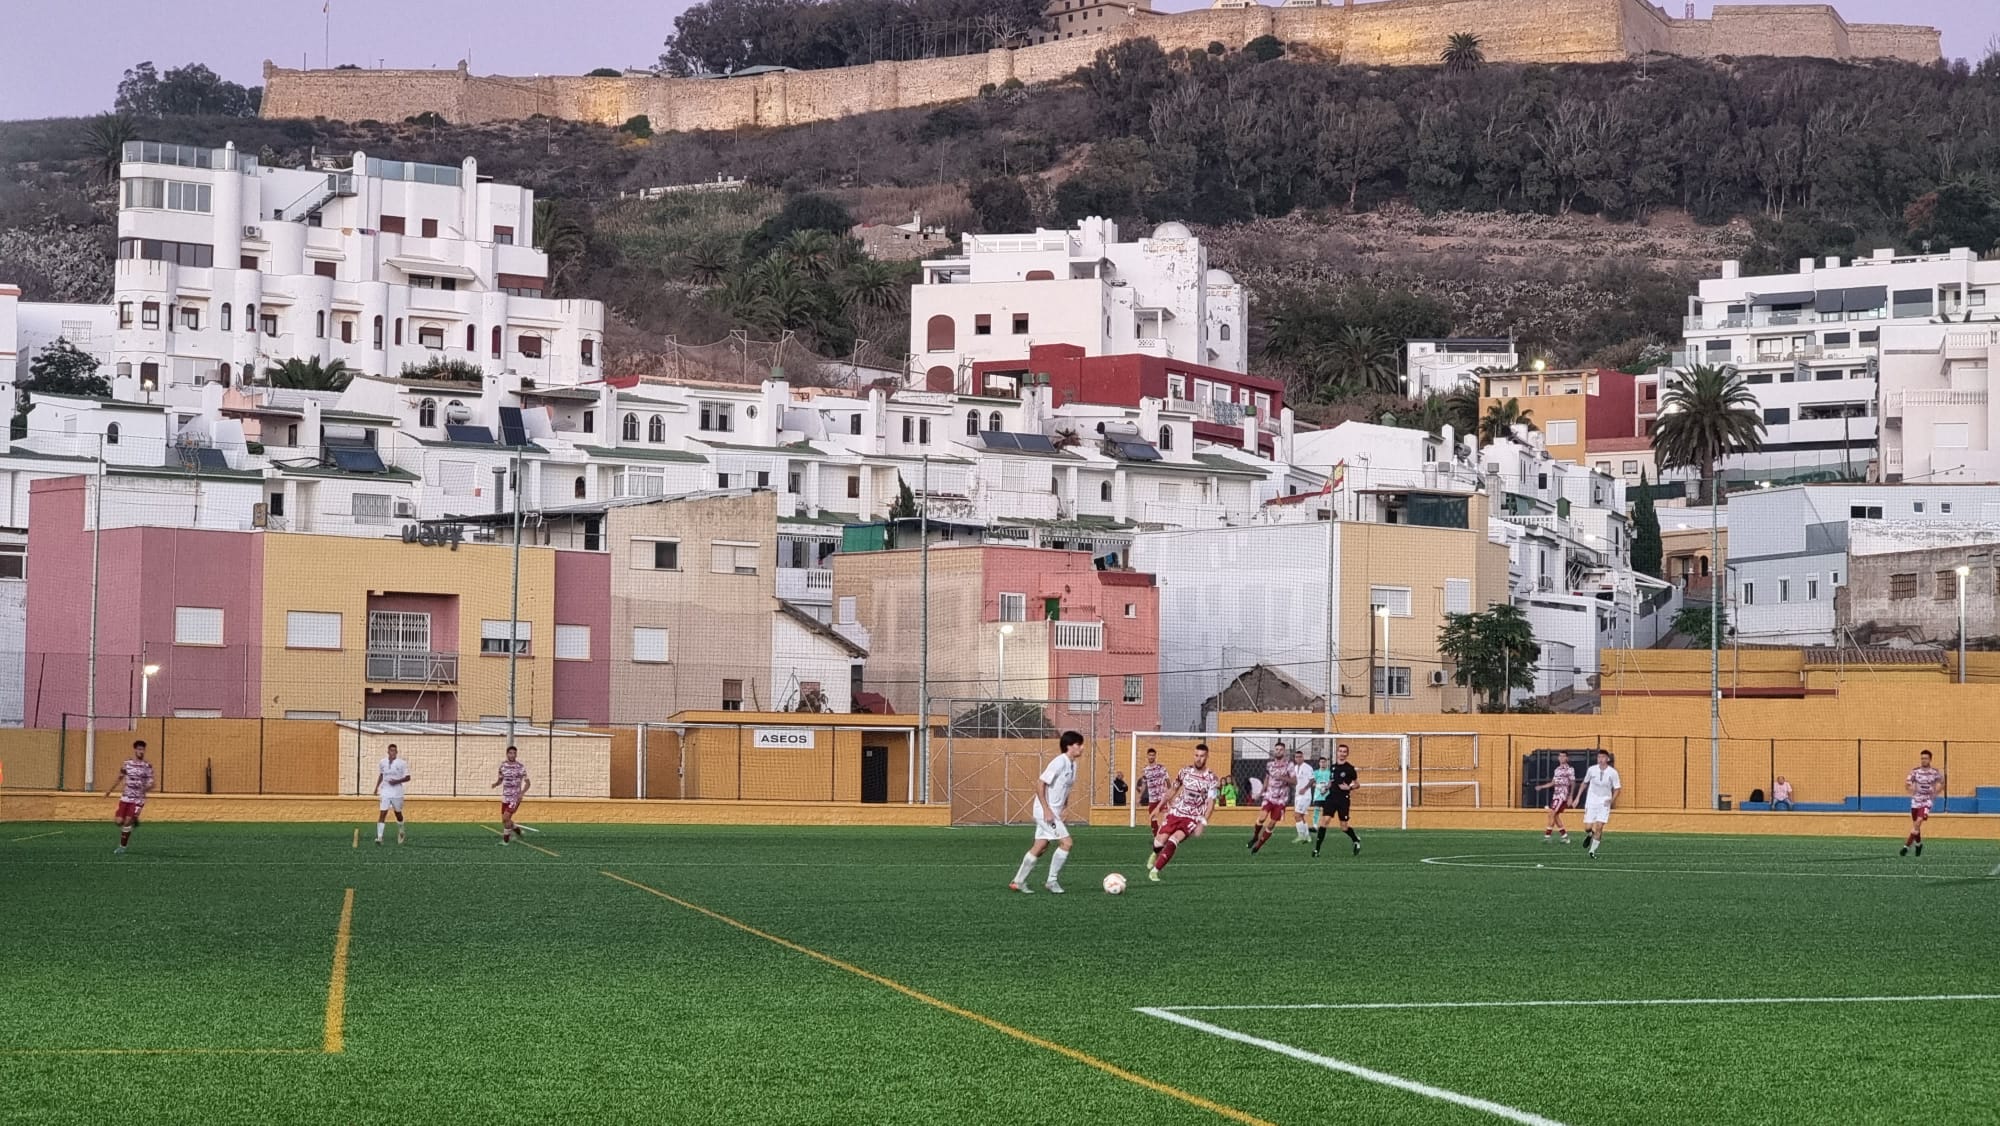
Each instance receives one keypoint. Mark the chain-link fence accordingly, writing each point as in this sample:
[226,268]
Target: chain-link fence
[992,752]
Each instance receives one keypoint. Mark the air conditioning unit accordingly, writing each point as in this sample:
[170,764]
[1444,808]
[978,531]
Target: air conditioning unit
[1437,678]
[253,232]
[406,510]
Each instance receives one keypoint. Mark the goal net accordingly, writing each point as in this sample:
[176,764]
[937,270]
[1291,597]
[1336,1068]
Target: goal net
[1397,771]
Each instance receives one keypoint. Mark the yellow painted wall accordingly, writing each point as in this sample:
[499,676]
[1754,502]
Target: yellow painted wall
[335,574]
[1421,559]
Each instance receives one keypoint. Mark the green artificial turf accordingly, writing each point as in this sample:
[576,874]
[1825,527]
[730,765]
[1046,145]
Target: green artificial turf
[504,984]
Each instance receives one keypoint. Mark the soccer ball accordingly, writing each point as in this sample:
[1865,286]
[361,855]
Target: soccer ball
[1114,884]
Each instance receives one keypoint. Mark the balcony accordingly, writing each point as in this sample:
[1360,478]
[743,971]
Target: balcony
[394,666]
[1078,635]
[1969,345]
[1222,414]
[812,585]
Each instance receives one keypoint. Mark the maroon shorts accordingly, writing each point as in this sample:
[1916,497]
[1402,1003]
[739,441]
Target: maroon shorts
[1557,805]
[1175,823]
[129,810]
[1275,810]
[507,810]
[1919,810]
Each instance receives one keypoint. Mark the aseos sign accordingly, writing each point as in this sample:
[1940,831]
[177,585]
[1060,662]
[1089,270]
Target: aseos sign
[783,738]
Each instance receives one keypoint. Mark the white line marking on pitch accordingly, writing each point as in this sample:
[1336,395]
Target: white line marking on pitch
[1587,1003]
[1498,1110]
[1469,860]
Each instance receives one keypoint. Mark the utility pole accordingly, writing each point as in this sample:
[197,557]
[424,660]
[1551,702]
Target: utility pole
[514,610]
[1333,610]
[1718,572]
[90,688]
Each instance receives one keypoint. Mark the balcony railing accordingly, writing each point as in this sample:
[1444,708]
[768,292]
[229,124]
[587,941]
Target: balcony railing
[401,667]
[1222,414]
[805,584]
[1079,635]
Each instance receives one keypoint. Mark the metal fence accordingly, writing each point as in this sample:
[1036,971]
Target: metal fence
[992,751]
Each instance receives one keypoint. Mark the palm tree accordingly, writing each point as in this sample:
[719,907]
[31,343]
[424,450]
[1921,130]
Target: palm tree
[1501,418]
[104,142]
[816,253]
[1362,359]
[873,284]
[308,375]
[707,261]
[1461,406]
[1462,53]
[1706,414]
[560,237]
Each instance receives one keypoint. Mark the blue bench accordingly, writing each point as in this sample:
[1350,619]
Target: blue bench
[1987,800]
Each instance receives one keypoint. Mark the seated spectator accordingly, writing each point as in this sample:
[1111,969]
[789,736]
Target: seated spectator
[1118,787]
[1781,794]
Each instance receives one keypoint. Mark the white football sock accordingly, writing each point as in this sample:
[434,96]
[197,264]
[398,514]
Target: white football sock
[1027,866]
[378,830]
[1056,863]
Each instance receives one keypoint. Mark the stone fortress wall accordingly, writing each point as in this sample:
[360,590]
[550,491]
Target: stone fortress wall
[1381,33]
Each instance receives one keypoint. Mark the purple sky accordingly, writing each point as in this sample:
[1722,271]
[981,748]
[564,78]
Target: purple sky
[64,57]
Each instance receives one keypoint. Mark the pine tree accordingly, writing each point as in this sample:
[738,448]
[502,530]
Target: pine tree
[1646,548]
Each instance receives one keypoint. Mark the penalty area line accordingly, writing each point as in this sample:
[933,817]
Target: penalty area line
[1084,1058]
[1498,1110]
[536,847]
[1637,1002]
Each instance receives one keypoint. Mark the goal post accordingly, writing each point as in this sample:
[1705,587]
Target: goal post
[1381,759]
[1398,770]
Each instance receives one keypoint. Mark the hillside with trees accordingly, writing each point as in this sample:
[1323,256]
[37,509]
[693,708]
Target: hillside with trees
[1570,205]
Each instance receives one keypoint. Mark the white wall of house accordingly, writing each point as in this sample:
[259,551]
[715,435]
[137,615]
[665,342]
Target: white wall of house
[801,656]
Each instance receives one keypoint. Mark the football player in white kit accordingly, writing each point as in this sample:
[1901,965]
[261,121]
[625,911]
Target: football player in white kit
[391,774]
[1302,795]
[1600,793]
[1051,799]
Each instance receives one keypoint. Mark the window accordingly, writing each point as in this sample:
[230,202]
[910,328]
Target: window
[13,561]
[1812,588]
[923,432]
[1865,512]
[191,317]
[531,346]
[716,416]
[656,429]
[391,225]
[1951,435]
[1177,387]
[1917,506]
[378,332]
[307,629]
[588,351]
[267,323]
[794,482]
[427,413]
[763,478]
[1013,607]
[368,508]
[940,334]
[656,555]
[1758,377]
[1784,590]
[572,643]
[1104,491]
[1748,595]
[1946,586]
[1562,432]
[149,314]
[493,639]
[1945,507]
[1135,690]
[909,428]
[1458,596]
[503,235]
[628,428]
[993,421]
[1631,469]
[399,332]
[195,625]
[1083,690]
[590,422]
[292,434]
[167,195]
[1166,437]
[1392,680]
[1223,332]
[496,342]
[982,324]
[430,228]
[428,336]
[1396,598]
[246,262]
[726,557]
[971,423]
[1777,416]
[1903,585]
[732,695]
[649,645]
[1020,324]
[853,486]
[198,254]
[579,491]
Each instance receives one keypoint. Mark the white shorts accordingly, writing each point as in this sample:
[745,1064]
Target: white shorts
[1304,802]
[1050,830]
[392,799]
[1596,812]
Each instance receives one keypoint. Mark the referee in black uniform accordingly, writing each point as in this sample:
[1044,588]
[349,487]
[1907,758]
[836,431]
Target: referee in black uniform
[1338,798]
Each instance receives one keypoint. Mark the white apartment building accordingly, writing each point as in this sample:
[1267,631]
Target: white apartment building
[1938,422]
[1434,367]
[1788,547]
[226,267]
[1809,343]
[1006,293]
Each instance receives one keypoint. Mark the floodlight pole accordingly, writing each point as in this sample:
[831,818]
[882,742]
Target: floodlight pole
[1718,572]
[90,689]
[924,633]
[514,605]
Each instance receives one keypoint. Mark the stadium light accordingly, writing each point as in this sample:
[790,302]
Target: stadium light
[150,671]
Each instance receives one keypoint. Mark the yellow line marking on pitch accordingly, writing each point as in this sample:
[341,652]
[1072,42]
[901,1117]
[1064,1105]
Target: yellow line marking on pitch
[336,986]
[1085,1058]
[39,836]
[357,838]
[524,840]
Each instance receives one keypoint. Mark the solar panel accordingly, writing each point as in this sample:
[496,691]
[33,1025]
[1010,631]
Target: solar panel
[1035,443]
[469,435]
[357,459]
[202,457]
[1137,451]
[999,440]
[513,432]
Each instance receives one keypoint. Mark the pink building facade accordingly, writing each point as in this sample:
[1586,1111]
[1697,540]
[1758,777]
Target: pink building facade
[1102,635]
[583,598]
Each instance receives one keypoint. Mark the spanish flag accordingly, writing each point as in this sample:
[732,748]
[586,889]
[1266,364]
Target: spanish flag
[1337,479]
